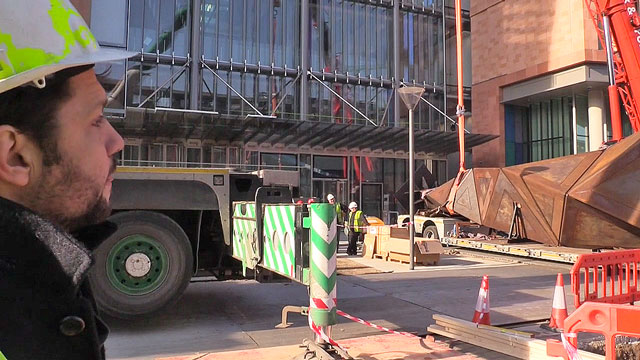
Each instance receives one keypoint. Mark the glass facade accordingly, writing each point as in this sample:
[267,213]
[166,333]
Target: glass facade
[551,128]
[244,57]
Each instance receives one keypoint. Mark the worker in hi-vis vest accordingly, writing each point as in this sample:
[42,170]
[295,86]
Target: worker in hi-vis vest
[340,208]
[357,223]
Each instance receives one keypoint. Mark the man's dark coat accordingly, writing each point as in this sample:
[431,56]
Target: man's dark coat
[47,310]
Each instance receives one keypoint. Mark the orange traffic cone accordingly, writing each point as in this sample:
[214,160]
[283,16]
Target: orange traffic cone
[559,308]
[481,315]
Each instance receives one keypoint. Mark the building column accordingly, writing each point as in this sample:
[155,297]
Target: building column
[596,119]
[304,59]
[195,83]
[396,62]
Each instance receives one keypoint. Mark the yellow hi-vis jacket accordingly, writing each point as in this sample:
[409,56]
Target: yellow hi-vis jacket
[339,214]
[357,222]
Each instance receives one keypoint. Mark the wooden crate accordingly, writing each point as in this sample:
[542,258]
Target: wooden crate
[428,259]
[398,250]
[369,246]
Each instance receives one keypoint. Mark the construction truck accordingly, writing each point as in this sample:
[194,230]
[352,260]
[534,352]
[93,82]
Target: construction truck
[173,224]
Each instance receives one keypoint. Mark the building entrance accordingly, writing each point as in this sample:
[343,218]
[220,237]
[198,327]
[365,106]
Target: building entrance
[322,188]
[371,199]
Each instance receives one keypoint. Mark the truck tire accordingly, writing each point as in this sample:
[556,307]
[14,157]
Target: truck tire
[145,265]
[430,232]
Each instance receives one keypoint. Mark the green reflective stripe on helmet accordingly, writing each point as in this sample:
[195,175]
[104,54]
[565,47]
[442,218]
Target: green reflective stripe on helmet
[61,20]
[21,59]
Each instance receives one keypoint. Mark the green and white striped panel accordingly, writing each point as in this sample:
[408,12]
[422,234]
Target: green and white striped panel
[279,234]
[243,227]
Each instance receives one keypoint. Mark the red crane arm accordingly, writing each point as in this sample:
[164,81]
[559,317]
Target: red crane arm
[624,23]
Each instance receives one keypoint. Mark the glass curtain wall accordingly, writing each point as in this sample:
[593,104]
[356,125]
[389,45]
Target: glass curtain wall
[160,31]
[253,45]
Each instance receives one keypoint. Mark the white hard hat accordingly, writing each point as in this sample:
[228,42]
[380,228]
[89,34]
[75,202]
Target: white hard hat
[353,205]
[42,38]
[330,197]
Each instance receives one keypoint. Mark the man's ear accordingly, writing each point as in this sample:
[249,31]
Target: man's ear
[17,156]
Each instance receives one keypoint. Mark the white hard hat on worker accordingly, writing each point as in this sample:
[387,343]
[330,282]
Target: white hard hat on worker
[353,205]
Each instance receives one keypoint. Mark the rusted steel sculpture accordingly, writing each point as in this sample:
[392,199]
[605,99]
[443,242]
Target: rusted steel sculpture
[589,200]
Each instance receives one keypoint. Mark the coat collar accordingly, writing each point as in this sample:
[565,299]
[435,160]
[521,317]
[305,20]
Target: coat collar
[38,250]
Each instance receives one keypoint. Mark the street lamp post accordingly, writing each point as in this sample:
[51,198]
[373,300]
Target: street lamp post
[411,95]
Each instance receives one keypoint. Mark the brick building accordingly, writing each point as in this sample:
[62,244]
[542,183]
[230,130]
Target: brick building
[539,80]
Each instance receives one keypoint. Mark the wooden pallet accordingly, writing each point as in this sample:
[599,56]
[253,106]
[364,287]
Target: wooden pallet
[424,259]
[507,341]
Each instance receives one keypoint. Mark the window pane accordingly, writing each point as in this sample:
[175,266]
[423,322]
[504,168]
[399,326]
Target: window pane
[172,155]
[194,156]
[234,156]
[109,21]
[210,28]
[237,29]
[155,155]
[135,25]
[278,161]
[130,155]
[151,17]
[165,37]
[305,175]
[329,167]
[111,75]
[219,156]
[181,30]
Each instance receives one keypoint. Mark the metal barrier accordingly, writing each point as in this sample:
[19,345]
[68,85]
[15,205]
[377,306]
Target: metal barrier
[610,320]
[608,277]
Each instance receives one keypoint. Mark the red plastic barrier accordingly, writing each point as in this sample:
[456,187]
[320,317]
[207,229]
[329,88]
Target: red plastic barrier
[610,320]
[608,277]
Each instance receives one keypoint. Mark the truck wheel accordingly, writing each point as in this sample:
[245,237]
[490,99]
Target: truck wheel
[145,265]
[430,232]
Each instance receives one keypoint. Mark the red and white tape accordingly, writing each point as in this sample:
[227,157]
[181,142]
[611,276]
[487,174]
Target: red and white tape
[323,305]
[572,351]
[367,323]
[323,335]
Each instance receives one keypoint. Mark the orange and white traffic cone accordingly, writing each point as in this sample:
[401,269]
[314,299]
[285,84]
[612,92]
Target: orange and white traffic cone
[481,315]
[559,308]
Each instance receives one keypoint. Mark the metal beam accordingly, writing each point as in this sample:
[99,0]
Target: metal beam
[346,138]
[304,58]
[379,138]
[401,134]
[444,141]
[290,132]
[195,75]
[396,61]
[232,89]
[365,136]
[179,72]
[359,133]
[312,134]
[328,134]
[245,125]
[284,96]
[343,99]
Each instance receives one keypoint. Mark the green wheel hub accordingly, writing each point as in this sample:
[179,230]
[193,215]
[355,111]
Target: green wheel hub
[137,265]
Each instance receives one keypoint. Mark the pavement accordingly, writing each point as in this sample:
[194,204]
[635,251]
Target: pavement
[240,315]
[381,347]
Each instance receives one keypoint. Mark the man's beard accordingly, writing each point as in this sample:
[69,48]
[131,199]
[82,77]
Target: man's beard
[62,190]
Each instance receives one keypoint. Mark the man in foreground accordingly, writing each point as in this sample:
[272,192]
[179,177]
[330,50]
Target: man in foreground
[57,160]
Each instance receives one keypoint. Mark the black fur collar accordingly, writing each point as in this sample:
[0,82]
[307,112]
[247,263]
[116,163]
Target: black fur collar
[37,250]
